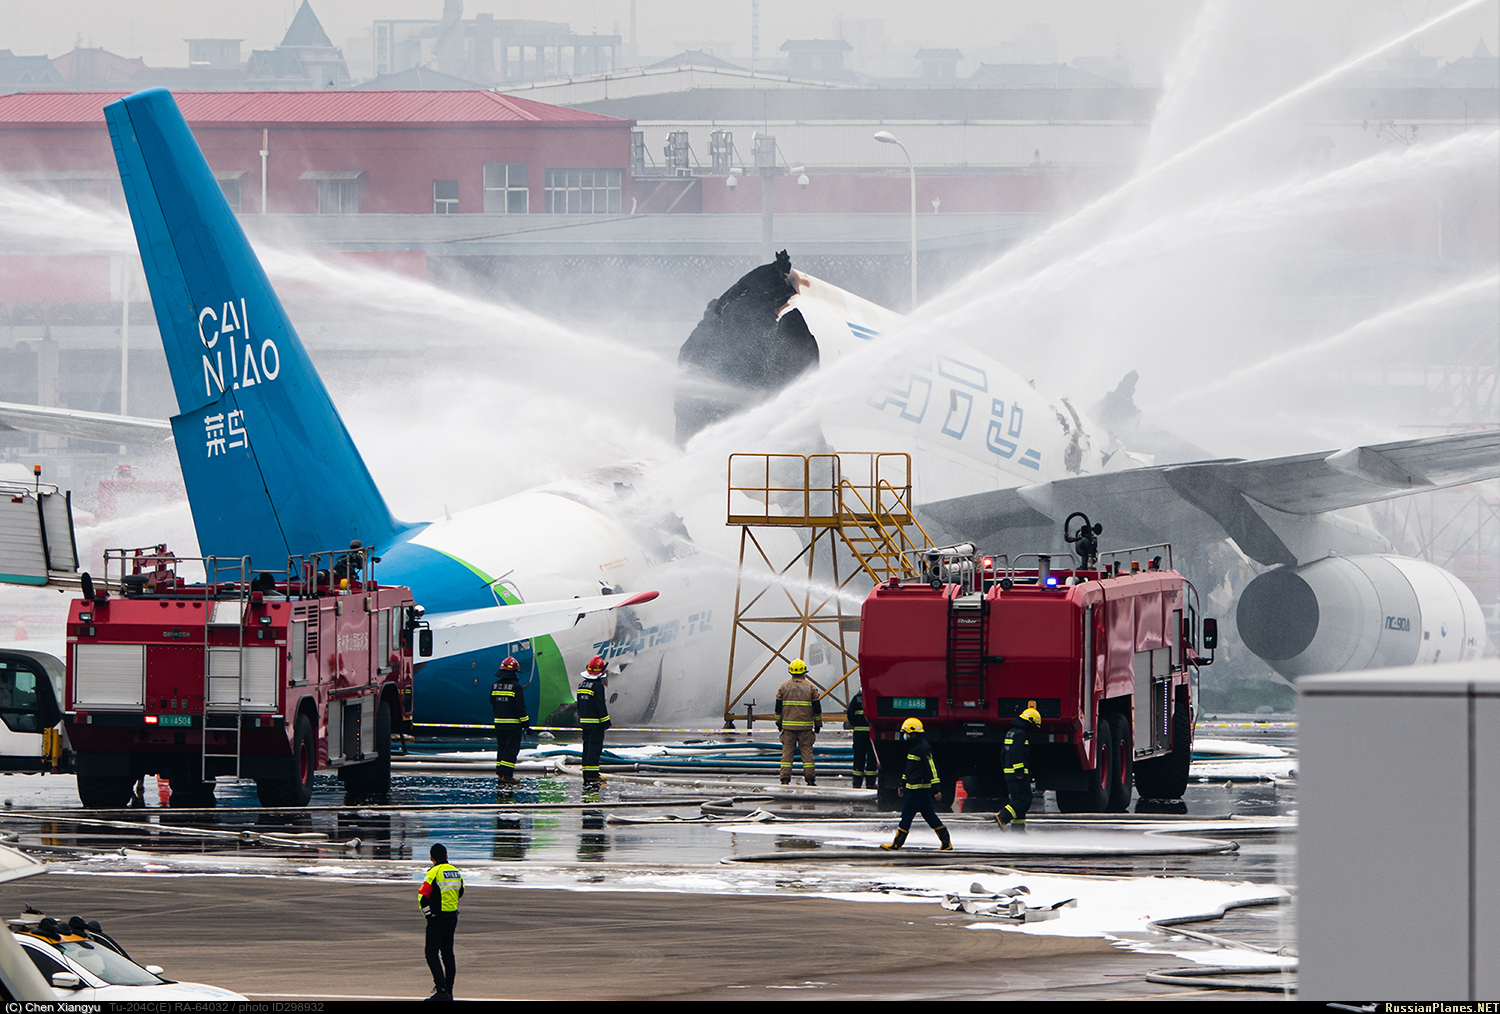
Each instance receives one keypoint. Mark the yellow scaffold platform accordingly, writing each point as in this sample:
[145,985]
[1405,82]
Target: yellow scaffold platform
[855,528]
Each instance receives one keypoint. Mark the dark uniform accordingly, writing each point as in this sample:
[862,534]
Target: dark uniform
[437,899]
[918,782]
[593,719]
[799,718]
[865,770]
[511,720]
[1015,761]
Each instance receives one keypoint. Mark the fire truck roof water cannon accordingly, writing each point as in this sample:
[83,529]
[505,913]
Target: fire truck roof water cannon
[268,675]
[1107,648]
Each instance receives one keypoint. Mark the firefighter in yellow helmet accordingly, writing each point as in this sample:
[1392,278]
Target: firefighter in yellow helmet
[1015,758]
[799,718]
[919,787]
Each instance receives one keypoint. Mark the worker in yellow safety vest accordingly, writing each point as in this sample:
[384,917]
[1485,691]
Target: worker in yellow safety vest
[438,898]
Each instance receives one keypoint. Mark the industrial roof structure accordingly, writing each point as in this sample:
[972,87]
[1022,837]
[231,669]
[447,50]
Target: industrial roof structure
[326,107]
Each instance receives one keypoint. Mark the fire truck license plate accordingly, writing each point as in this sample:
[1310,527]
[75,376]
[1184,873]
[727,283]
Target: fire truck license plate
[909,703]
[186,720]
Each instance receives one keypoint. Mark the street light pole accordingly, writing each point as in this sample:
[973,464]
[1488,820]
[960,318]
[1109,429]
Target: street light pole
[765,165]
[886,137]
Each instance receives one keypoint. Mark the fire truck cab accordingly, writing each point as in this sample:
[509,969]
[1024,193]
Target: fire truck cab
[269,675]
[1106,649]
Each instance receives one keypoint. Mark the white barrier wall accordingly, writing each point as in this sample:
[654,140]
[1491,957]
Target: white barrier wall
[1398,840]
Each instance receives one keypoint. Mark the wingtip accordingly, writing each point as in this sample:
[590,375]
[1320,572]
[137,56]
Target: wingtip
[639,598]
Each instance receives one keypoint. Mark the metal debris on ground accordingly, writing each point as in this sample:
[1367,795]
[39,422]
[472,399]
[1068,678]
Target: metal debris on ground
[1008,905]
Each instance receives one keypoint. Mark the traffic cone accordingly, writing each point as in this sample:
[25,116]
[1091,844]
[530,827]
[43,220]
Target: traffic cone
[959,795]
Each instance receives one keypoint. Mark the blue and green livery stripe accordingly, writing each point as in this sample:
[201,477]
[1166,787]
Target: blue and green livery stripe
[555,691]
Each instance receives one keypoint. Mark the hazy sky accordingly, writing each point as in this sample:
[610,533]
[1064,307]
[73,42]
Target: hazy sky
[1145,31]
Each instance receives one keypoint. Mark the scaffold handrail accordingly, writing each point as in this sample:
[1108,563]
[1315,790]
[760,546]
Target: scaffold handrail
[808,490]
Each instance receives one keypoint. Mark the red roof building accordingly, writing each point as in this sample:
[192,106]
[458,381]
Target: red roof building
[347,152]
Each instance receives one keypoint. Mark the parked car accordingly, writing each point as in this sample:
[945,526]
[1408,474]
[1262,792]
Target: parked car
[82,962]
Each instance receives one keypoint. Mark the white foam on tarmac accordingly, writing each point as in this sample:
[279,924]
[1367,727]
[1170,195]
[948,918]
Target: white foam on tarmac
[976,836]
[1217,748]
[1265,768]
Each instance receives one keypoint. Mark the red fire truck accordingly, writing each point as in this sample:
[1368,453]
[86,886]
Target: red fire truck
[1106,649]
[270,675]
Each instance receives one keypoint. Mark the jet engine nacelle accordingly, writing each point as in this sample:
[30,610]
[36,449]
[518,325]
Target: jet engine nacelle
[1359,612]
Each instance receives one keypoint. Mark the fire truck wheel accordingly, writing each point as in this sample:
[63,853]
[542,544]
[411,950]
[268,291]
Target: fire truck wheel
[296,790]
[104,792]
[1167,777]
[1123,776]
[1095,798]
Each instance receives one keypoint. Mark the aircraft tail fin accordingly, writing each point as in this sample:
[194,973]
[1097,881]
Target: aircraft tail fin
[270,467]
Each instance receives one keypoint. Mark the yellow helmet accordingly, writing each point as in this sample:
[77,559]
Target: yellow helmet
[1031,714]
[797,668]
[911,725]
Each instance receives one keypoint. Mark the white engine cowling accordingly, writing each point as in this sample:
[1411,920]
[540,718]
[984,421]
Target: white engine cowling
[1359,612]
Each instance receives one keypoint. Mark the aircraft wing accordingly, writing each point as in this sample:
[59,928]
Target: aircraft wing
[477,629]
[1314,483]
[104,427]
[1209,499]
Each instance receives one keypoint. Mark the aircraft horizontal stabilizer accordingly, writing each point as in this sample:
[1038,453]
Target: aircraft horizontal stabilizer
[104,427]
[477,629]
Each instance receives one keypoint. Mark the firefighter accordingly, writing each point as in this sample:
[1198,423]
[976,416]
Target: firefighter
[593,718]
[437,899]
[799,718]
[511,719]
[919,787]
[1015,758]
[864,754]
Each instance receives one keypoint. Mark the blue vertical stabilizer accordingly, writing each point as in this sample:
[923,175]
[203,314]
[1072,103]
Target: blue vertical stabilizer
[270,468]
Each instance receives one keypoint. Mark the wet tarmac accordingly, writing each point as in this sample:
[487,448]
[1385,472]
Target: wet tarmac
[652,832]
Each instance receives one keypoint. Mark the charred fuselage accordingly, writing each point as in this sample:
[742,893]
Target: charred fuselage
[740,353]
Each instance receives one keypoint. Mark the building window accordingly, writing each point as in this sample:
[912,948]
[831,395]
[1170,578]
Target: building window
[231,190]
[506,188]
[338,190]
[445,197]
[583,191]
[338,197]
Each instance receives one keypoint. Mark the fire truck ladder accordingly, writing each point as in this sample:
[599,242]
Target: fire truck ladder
[967,616]
[223,666]
[858,501]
